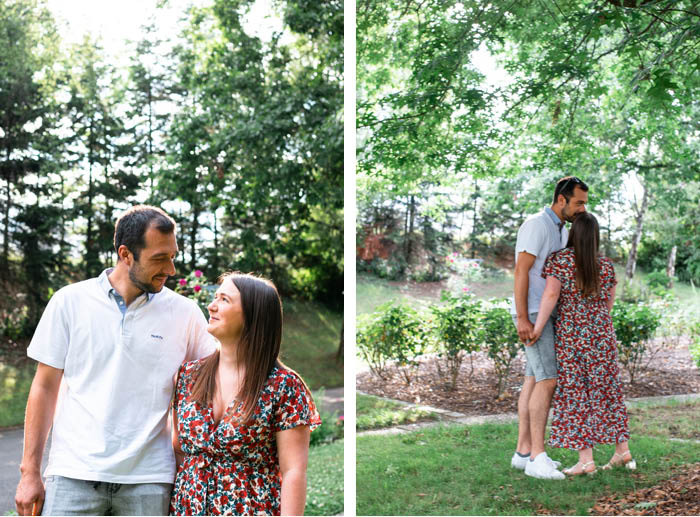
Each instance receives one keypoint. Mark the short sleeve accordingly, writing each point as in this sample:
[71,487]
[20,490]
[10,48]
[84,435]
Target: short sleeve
[199,342]
[295,405]
[51,338]
[532,238]
[555,266]
[607,275]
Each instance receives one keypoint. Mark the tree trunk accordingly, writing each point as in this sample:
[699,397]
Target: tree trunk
[411,226]
[5,262]
[671,267]
[632,259]
[472,239]
[193,237]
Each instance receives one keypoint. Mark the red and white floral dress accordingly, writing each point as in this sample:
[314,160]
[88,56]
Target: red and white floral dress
[588,406]
[231,468]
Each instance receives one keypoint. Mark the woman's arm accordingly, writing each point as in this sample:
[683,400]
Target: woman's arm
[179,455]
[293,450]
[611,298]
[549,300]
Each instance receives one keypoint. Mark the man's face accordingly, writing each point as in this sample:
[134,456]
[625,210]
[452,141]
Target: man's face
[576,205]
[155,263]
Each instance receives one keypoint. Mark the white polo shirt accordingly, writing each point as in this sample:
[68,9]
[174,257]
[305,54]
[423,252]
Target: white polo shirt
[111,420]
[539,235]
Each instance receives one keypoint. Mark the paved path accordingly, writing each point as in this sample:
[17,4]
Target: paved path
[11,440]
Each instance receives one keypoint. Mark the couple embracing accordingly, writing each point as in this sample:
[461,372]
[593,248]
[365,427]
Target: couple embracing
[564,294]
[154,410]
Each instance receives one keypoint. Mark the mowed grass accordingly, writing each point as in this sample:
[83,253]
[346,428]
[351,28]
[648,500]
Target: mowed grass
[324,479]
[375,413]
[465,470]
[373,291]
[15,382]
[674,419]
[310,341]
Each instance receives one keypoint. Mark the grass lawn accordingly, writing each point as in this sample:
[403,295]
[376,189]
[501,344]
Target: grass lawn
[375,413]
[373,291]
[14,388]
[309,343]
[674,419]
[465,470]
[325,479]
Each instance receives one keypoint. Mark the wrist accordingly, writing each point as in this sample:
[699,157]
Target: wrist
[29,470]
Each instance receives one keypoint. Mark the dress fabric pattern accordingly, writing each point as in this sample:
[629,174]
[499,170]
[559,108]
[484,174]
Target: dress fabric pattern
[588,405]
[233,468]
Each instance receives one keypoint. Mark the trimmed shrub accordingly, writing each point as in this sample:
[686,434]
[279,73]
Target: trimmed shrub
[635,326]
[500,339]
[456,329]
[392,333]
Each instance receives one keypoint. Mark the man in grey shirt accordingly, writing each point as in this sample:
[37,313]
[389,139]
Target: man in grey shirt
[538,237]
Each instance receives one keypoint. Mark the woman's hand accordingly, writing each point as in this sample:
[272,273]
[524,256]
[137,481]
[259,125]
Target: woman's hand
[534,335]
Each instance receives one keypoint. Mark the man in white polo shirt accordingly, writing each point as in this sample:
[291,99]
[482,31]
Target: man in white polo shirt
[108,349]
[538,237]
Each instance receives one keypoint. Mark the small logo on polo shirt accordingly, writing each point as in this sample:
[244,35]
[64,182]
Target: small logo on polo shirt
[156,336]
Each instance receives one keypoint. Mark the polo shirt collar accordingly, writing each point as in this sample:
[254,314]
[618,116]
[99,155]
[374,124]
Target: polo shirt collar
[110,291]
[554,217]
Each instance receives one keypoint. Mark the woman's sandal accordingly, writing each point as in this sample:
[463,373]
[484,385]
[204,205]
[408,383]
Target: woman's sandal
[584,466]
[630,464]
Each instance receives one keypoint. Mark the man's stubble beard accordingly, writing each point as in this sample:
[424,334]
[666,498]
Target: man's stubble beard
[139,282]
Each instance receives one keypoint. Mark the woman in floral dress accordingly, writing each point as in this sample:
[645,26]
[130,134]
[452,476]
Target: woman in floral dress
[241,418]
[588,403]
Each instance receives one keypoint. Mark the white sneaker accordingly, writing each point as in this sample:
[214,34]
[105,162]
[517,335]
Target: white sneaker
[543,468]
[518,462]
[555,464]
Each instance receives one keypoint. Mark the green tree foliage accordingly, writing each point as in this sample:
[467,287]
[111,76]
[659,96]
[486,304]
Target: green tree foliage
[602,89]
[278,138]
[239,137]
[27,37]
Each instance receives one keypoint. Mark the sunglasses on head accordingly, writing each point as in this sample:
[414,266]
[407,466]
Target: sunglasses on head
[575,180]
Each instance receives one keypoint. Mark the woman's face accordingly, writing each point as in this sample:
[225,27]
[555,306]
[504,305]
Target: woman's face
[226,313]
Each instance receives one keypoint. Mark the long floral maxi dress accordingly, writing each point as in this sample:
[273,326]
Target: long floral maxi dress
[233,468]
[588,404]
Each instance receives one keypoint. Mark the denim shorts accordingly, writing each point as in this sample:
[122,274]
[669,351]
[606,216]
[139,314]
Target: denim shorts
[541,357]
[67,496]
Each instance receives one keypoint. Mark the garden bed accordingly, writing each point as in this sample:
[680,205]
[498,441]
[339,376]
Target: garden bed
[670,372]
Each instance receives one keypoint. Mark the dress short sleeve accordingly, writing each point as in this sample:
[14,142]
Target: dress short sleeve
[295,406]
[556,266]
[607,275]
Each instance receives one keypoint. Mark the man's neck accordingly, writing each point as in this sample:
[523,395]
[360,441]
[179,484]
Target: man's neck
[119,278]
[557,211]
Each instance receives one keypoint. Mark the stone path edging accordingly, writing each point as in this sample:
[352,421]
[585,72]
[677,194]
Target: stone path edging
[451,417]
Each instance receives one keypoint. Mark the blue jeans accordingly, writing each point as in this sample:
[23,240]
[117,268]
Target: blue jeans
[67,496]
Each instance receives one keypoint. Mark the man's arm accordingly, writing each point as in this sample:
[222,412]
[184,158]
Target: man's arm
[523,264]
[41,405]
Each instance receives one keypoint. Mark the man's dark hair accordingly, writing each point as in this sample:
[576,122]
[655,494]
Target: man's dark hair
[131,227]
[566,186]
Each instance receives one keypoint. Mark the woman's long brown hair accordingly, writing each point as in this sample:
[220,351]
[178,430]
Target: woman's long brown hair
[259,346]
[584,238]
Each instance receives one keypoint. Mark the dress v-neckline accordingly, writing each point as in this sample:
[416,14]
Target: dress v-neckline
[230,407]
